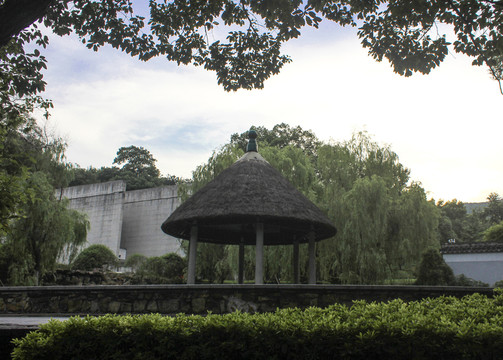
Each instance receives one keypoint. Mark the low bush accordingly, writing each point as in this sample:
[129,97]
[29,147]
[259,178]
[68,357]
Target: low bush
[95,256]
[440,328]
[463,280]
[166,269]
[433,270]
[135,261]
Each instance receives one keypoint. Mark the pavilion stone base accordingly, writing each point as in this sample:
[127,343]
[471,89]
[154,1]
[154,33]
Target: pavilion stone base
[199,299]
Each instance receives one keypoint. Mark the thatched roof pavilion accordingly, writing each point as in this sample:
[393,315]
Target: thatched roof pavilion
[249,203]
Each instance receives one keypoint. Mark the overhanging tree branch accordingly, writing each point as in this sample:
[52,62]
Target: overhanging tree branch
[16,15]
[480,51]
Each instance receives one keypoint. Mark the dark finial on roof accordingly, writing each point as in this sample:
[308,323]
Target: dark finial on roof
[252,144]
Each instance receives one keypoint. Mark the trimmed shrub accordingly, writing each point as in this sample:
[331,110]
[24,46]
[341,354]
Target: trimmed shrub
[463,280]
[95,256]
[135,261]
[433,270]
[440,328]
[166,269]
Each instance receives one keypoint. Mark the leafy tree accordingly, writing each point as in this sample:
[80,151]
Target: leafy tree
[456,214]
[95,256]
[383,223]
[342,164]
[433,270]
[203,174]
[138,170]
[135,261]
[463,280]
[280,136]
[46,231]
[362,227]
[137,160]
[216,262]
[295,165]
[494,211]
[475,225]
[412,228]
[36,227]
[251,52]
[494,233]
[138,167]
[166,269]
[457,224]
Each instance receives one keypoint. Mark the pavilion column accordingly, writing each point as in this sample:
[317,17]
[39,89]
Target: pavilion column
[259,254]
[191,273]
[296,267]
[241,261]
[312,258]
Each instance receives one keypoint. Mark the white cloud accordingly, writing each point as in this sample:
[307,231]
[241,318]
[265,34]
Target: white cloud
[443,126]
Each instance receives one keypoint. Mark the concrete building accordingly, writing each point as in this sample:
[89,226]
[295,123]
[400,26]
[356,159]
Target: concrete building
[478,261]
[128,222]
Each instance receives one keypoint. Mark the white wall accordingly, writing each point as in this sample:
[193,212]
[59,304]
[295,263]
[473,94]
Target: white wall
[126,222]
[144,212]
[486,267]
[103,204]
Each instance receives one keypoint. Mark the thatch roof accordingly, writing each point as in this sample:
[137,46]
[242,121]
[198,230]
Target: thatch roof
[250,191]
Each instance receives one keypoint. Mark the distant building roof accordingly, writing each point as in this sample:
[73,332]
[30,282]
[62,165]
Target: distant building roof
[472,248]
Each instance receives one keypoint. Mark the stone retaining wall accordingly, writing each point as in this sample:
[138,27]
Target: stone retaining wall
[199,299]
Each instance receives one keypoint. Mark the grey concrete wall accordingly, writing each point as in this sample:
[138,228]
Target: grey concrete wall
[103,204]
[487,267]
[144,212]
[126,221]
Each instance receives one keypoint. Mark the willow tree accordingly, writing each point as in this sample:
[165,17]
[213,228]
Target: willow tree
[294,163]
[413,228]
[40,227]
[216,262]
[384,223]
[212,264]
[47,231]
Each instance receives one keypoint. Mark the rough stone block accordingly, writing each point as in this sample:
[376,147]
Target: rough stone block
[139,306]
[74,305]
[237,304]
[198,305]
[171,306]
[126,308]
[152,306]
[114,307]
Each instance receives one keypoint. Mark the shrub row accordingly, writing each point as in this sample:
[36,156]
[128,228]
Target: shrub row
[440,328]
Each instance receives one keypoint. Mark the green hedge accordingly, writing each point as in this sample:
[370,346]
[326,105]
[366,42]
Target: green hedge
[440,328]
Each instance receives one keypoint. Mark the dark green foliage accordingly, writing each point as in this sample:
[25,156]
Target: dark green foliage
[280,136]
[138,171]
[46,231]
[494,211]
[93,257]
[494,233]
[245,49]
[462,280]
[440,328]
[384,221]
[166,269]
[135,261]
[433,270]
[463,226]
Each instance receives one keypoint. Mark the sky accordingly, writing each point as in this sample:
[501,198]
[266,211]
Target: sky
[446,127]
